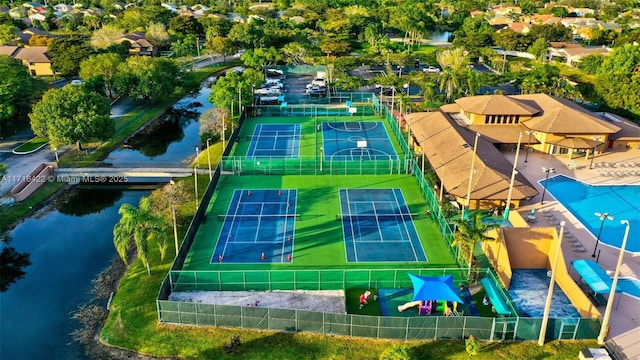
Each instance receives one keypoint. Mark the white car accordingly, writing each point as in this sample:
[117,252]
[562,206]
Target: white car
[431,70]
[76,82]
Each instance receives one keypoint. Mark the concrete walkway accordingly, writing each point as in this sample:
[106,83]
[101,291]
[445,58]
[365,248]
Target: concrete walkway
[625,317]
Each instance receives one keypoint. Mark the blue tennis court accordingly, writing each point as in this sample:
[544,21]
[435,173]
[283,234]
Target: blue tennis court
[356,140]
[258,227]
[583,200]
[275,140]
[378,226]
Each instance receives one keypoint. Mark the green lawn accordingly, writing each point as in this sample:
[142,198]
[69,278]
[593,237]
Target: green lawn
[33,144]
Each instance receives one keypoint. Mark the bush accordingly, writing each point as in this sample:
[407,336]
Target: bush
[206,135]
[471,345]
[233,345]
[398,352]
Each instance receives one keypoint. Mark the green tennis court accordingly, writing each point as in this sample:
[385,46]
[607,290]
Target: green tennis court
[319,241]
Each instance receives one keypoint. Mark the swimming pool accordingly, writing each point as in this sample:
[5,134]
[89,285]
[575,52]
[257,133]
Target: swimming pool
[583,200]
[528,292]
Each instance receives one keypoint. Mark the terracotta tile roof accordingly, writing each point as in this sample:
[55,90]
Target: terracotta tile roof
[495,105]
[443,142]
[562,116]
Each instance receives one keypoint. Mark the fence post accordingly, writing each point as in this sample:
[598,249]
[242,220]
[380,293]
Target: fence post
[406,329]
[493,330]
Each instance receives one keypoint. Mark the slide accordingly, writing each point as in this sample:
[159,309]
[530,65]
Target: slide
[410,304]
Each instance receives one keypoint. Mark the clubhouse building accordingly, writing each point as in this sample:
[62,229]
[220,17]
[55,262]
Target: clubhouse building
[539,122]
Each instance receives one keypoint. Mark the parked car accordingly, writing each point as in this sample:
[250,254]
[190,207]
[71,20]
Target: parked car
[76,82]
[431,70]
[316,90]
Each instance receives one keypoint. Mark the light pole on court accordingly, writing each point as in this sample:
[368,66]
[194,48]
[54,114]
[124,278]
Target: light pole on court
[603,217]
[209,158]
[471,170]
[607,312]
[195,177]
[173,213]
[552,281]
[514,172]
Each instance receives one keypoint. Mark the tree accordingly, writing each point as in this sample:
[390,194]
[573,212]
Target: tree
[591,64]
[183,25]
[140,226]
[221,46]
[511,40]
[72,115]
[471,344]
[17,91]
[554,32]
[67,52]
[157,35]
[619,79]
[149,78]
[560,12]
[212,120]
[261,58]
[106,36]
[226,89]
[12,264]
[7,34]
[539,48]
[471,232]
[102,66]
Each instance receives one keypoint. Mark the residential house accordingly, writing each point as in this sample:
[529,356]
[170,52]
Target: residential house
[573,53]
[139,44]
[541,122]
[506,10]
[500,22]
[543,19]
[583,27]
[60,9]
[170,7]
[581,12]
[35,58]
[520,27]
[26,34]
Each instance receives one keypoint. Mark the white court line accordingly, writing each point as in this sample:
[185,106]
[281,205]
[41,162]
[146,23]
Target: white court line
[415,255]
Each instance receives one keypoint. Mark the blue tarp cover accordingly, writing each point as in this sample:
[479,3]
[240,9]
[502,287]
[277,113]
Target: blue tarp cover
[593,275]
[434,288]
[496,299]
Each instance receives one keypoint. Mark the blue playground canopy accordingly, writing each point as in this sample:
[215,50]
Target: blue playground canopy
[434,288]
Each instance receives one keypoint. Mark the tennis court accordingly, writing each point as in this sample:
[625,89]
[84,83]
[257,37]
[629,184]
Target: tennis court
[378,226]
[275,140]
[356,140]
[257,227]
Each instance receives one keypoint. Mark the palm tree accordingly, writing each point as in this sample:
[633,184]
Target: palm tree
[141,225]
[470,232]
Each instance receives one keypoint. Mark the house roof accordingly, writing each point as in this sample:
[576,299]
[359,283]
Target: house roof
[495,105]
[33,54]
[577,143]
[502,134]
[562,116]
[582,51]
[449,149]
[8,50]
[628,130]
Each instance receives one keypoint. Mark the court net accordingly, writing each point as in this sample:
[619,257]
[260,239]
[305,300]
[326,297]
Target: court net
[379,217]
[259,217]
[280,136]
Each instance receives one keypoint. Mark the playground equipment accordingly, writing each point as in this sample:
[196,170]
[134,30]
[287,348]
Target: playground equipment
[408,305]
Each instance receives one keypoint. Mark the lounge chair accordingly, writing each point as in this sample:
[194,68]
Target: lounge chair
[580,249]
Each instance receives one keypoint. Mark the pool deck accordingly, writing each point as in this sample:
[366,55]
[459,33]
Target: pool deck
[625,316]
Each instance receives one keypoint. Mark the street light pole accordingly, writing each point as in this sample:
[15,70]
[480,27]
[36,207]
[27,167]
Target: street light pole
[603,216]
[529,132]
[514,172]
[195,177]
[209,158]
[552,282]
[173,212]
[614,284]
[442,184]
[473,161]
[547,171]
[321,157]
